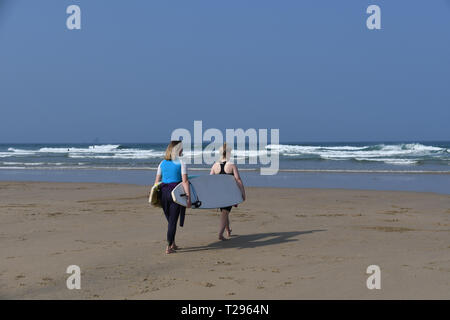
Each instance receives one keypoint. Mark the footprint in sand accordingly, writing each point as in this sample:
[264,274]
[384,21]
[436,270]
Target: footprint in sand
[394,212]
[331,215]
[224,263]
[389,229]
[54,214]
[206,284]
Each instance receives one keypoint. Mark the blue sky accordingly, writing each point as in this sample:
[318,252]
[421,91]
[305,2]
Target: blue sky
[139,69]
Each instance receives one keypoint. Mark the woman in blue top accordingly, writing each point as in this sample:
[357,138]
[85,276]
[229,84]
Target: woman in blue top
[172,171]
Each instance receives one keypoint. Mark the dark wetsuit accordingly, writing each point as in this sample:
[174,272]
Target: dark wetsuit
[222,171]
[172,210]
[171,173]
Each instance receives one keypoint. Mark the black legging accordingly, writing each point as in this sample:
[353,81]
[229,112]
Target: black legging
[172,211]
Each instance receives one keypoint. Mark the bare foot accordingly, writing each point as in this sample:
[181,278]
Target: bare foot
[222,238]
[174,247]
[229,232]
[170,250]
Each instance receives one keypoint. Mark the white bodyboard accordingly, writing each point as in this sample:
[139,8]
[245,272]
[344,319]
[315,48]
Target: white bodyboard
[211,191]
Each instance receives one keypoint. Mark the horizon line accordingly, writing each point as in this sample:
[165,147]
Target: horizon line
[281,142]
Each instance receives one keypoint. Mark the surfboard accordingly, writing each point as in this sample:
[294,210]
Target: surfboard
[209,192]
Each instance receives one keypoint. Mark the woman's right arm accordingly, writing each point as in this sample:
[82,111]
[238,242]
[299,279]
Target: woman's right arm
[158,175]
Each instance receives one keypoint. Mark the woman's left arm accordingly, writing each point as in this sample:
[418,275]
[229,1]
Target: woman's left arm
[239,181]
[158,175]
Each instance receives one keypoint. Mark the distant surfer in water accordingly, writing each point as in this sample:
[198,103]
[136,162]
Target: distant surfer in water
[224,166]
[172,171]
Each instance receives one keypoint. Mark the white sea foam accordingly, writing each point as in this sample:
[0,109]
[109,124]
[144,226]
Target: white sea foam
[368,153]
[239,154]
[409,153]
[109,151]
[391,160]
[9,163]
[302,149]
[119,154]
[107,148]
[18,152]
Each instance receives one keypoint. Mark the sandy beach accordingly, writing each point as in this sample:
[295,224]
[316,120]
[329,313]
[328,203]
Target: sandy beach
[286,244]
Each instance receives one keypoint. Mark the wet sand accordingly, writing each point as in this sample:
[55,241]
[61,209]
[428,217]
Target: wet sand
[286,244]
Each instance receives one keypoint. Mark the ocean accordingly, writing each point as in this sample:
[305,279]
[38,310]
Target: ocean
[412,166]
